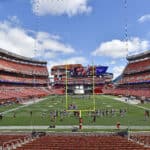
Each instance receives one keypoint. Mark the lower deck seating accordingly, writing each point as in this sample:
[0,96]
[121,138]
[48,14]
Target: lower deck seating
[6,138]
[10,94]
[81,142]
[128,91]
[142,139]
[59,91]
[11,141]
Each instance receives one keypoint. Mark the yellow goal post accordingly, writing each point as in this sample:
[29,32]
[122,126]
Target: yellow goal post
[93,94]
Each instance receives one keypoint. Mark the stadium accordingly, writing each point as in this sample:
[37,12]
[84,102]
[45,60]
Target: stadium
[30,101]
[74,75]
[77,75]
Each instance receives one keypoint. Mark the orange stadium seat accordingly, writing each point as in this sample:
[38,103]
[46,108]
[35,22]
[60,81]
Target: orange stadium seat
[80,142]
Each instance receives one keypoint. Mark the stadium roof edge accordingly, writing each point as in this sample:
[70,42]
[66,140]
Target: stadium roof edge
[138,56]
[19,57]
[64,65]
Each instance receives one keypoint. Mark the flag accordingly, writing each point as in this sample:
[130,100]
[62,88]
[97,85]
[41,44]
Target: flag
[101,70]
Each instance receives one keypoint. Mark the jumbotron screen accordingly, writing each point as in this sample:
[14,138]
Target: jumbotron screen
[87,71]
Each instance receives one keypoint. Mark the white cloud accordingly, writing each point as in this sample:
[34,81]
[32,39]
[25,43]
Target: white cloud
[117,70]
[118,49]
[144,18]
[16,40]
[75,60]
[60,7]
[20,41]
[46,55]
[45,41]
[112,62]
[14,19]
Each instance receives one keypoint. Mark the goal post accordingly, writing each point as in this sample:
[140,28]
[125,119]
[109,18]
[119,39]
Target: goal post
[92,109]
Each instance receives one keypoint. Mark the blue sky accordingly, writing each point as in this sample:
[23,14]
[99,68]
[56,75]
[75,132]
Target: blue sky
[75,31]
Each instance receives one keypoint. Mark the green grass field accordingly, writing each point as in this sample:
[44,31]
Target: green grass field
[134,115]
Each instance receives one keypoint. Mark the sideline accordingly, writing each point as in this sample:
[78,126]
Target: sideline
[119,99]
[71,127]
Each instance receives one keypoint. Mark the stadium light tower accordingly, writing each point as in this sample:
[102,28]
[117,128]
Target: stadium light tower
[127,49]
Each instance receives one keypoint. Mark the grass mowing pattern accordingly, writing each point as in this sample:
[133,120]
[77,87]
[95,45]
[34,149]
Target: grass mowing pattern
[134,116]
[82,102]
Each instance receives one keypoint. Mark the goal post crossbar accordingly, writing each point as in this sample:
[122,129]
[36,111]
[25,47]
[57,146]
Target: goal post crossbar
[93,93]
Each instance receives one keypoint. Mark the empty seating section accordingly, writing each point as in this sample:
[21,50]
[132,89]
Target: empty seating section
[142,77]
[138,66]
[31,80]
[5,138]
[11,141]
[22,78]
[135,80]
[128,91]
[74,142]
[88,80]
[18,93]
[23,68]
[98,89]
[142,139]
[59,91]
[36,73]
[81,142]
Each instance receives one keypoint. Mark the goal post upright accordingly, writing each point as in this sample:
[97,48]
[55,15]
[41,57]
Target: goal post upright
[93,95]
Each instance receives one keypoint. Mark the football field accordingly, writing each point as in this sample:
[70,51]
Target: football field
[108,112]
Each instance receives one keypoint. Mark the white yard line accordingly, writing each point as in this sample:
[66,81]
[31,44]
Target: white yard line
[25,105]
[71,127]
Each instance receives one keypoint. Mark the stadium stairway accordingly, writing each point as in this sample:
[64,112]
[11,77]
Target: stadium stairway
[82,142]
[12,141]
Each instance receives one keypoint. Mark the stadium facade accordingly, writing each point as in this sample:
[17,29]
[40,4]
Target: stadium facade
[79,79]
[135,79]
[21,77]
